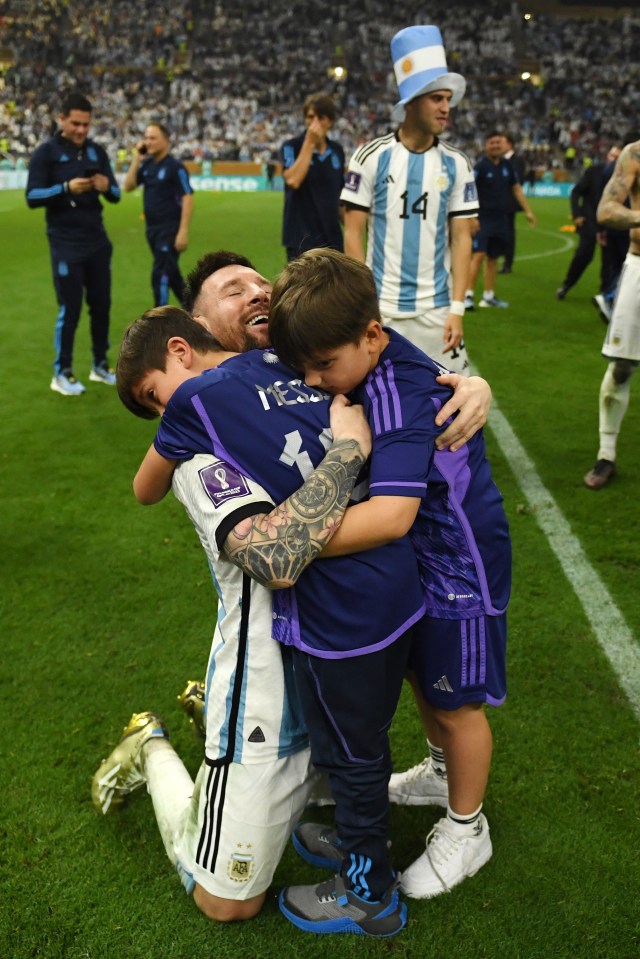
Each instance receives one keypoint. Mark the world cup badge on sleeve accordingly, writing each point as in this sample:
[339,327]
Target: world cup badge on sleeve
[221,482]
[352,181]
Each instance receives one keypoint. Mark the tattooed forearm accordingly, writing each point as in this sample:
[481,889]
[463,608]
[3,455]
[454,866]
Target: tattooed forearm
[274,548]
[623,184]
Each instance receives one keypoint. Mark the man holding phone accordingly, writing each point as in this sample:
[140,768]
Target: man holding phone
[168,205]
[68,175]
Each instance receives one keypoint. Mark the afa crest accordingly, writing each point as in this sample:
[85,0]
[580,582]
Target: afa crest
[240,867]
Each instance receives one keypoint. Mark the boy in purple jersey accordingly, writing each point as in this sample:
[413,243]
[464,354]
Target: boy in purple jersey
[261,421]
[325,320]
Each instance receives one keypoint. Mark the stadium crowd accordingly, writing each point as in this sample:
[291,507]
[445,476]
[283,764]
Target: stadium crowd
[180,63]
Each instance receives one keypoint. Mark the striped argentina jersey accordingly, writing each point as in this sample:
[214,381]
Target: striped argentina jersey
[461,533]
[409,198]
[259,418]
[251,706]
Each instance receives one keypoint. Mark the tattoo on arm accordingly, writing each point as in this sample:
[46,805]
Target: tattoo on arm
[274,548]
[612,211]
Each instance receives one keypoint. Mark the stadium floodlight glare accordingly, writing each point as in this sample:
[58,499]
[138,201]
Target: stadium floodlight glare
[525,75]
[338,69]
[528,16]
[338,72]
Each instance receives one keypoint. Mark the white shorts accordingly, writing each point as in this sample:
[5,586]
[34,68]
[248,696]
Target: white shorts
[240,821]
[425,332]
[622,341]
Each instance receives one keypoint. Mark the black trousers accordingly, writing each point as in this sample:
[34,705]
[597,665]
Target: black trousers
[582,257]
[90,276]
[348,705]
[165,273]
[511,243]
[613,254]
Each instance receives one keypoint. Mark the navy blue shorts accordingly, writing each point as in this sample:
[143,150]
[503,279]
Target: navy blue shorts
[458,661]
[492,238]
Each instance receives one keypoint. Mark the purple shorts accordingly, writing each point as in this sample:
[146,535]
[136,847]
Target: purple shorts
[458,661]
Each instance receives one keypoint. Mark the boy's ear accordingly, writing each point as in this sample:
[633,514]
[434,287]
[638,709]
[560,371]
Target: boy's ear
[373,331]
[178,347]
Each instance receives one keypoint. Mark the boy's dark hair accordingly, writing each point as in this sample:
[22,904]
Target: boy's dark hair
[206,265]
[322,104]
[320,301]
[75,101]
[494,133]
[144,348]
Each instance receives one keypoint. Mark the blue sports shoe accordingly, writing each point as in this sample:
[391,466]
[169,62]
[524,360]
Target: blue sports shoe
[332,908]
[102,374]
[492,301]
[67,384]
[318,845]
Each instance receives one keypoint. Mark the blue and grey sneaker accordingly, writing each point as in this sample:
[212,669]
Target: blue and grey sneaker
[67,384]
[318,845]
[492,301]
[102,374]
[332,908]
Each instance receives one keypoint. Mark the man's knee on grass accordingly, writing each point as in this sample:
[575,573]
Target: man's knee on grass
[227,910]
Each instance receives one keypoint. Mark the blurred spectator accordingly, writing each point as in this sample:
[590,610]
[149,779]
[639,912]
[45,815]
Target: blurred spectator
[69,175]
[313,170]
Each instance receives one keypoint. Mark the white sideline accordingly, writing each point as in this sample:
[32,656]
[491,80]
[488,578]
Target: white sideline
[607,622]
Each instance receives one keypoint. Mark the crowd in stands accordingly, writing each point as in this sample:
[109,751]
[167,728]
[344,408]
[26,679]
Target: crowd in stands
[229,79]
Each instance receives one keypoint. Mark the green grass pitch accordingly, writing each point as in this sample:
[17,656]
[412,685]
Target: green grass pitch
[108,608]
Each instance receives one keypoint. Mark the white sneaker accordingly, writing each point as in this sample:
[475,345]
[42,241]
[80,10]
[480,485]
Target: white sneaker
[469,303]
[67,384]
[448,859]
[487,301]
[102,374]
[422,785]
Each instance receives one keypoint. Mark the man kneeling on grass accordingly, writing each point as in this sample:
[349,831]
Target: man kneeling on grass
[228,507]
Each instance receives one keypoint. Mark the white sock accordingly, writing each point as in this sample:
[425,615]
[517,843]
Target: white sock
[464,823]
[171,788]
[469,293]
[487,295]
[437,760]
[614,401]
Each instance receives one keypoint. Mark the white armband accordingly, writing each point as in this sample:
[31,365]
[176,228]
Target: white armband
[456,307]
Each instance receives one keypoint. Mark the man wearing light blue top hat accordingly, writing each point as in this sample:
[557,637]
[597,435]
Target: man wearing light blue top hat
[412,197]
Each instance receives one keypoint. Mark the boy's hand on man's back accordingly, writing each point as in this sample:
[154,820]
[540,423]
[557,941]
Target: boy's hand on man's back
[349,423]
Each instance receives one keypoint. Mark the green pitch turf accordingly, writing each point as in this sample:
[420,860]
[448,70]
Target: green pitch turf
[107,608]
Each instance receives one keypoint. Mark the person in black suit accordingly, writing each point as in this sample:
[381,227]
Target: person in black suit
[584,200]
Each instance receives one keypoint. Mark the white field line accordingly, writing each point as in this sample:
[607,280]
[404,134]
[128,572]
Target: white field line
[606,620]
[567,243]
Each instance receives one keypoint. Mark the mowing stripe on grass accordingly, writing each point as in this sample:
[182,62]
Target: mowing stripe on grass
[607,622]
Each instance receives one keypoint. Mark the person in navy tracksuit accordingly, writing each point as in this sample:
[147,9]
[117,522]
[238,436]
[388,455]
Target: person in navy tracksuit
[69,175]
[313,171]
[168,204]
